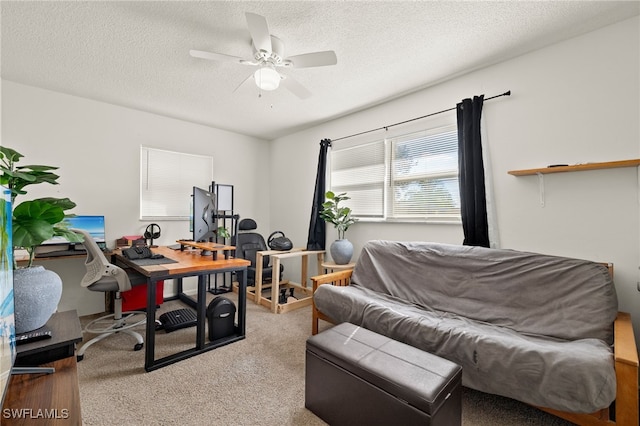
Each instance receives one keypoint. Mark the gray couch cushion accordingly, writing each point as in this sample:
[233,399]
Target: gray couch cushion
[576,376]
[527,292]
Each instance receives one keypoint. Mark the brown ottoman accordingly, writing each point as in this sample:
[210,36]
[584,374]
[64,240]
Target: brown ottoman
[355,376]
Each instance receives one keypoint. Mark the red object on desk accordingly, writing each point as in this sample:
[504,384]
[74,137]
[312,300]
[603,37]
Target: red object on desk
[136,298]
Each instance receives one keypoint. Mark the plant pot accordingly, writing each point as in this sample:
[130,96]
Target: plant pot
[341,251]
[36,293]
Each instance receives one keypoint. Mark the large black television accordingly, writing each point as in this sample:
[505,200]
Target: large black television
[203,215]
[7,322]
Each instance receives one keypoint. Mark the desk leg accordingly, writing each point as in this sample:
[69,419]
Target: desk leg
[150,337]
[258,278]
[275,283]
[242,301]
[201,309]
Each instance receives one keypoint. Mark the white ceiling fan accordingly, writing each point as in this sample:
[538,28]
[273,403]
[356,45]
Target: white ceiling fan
[269,55]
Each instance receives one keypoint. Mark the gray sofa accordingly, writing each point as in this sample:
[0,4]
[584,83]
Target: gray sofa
[528,326]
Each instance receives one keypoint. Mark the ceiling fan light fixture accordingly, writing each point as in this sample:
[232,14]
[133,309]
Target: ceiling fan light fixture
[267,78]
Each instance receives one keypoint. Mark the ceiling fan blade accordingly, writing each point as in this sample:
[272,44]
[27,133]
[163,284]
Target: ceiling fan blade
[215,56]
[250,77]
[294,87]
[316,59]
[259,31]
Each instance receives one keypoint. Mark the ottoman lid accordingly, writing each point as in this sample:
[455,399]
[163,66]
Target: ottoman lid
[421,379]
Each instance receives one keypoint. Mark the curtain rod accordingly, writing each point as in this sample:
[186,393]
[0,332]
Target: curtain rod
[507,93]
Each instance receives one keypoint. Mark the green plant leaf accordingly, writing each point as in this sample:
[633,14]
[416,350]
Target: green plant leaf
[37,220]
[60,231]
[63,203]
[332,212]
[223,232]
[31,233]
[11,155]
[33,222]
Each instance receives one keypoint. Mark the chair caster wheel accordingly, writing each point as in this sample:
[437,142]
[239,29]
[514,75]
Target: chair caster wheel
[138,346]
[79,358]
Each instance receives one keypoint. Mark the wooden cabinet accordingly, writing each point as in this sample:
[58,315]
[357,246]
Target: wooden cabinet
[51,399]
[42,398]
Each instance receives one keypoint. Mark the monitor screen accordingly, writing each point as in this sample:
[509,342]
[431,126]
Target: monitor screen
[7,323]
[94,225]
[224,197]
[203,215]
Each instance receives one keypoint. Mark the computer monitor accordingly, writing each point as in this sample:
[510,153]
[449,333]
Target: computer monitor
[94,225]
[203,215]
[7,322]
[224,196]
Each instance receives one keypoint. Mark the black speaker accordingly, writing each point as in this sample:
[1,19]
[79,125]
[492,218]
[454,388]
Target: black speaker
[221,314]
[151,233]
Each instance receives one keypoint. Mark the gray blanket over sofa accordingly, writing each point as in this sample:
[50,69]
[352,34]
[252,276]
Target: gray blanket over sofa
[531,327]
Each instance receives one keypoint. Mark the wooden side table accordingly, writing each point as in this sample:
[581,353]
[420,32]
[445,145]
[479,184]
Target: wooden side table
[276,257]
[332,267]
[65,333]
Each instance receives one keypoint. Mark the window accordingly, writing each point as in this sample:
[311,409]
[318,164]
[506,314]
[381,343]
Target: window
[166,182]
[411,177]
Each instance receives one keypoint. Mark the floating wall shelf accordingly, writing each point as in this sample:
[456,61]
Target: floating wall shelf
[577,167]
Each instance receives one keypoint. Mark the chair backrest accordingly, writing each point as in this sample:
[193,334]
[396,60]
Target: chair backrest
[248,243]
[98,267]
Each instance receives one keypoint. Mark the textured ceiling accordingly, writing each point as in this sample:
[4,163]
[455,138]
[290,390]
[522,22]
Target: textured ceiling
[136,54]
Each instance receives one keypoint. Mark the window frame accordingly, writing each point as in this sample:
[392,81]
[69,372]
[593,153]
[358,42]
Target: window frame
[388,216]
[177,171]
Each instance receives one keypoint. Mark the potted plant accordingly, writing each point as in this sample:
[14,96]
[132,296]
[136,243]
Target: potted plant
[223,232]
[340,216]
[37,291]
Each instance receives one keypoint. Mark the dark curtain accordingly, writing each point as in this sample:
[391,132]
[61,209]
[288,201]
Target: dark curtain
[317,228]
[473,201]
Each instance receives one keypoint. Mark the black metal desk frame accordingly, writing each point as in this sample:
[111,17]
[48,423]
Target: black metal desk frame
[201,346]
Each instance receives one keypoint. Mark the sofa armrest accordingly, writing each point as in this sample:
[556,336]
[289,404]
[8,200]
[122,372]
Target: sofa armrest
[625,357]
[339,278]
[626,364]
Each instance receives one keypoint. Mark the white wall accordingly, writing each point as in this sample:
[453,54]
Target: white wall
[97,145]
[576,101]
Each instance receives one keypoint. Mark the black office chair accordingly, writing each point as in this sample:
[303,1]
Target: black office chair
[247,243]
[105,277]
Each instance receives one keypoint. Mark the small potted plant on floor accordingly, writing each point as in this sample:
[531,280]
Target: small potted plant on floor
[340,217]
[37,291]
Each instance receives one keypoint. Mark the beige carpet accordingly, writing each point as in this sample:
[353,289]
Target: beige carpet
[256,381]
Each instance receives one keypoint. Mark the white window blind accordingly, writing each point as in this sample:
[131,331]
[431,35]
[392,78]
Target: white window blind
[424,175]
[411,177]
[167,179]
[360,171]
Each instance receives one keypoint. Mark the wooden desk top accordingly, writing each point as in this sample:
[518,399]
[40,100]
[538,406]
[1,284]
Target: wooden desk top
[188,262]
[206,246]
[55,395]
